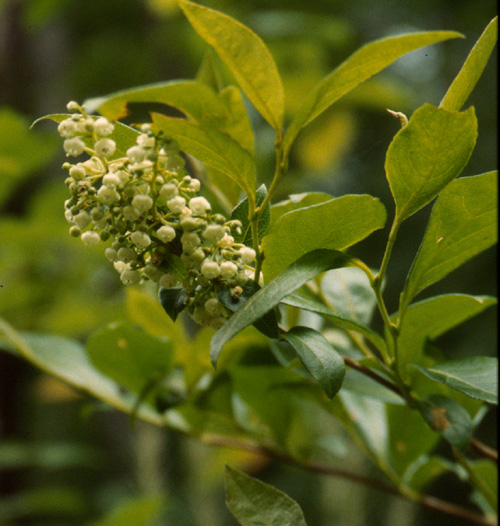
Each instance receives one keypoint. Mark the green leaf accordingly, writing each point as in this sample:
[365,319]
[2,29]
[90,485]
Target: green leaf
[427,469]
[463,223]
[484,475]
[254,503]
[475,376]
[67,360]
[366,62]
[296,201]
[304,269]
[240,213]
[129,356]
[472,69]
[195,99]
[430,318]
[335,224]
[215,149]
[447,417]
[427,154]
[172,300]
[141,510]
[245,55]
[123,135]
[348,291]
[323,362]
[296,299]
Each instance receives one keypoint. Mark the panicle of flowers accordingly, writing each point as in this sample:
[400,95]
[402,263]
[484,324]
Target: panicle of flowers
[159,227]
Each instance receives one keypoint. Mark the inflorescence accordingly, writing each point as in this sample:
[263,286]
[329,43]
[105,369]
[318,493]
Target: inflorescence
[145,203]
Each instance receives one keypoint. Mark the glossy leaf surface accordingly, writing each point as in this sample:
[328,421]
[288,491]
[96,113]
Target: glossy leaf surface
[323,362]
[304,269]
[475,376]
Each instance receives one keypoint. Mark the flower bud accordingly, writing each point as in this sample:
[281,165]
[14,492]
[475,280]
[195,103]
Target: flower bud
[103,127]
[199,206]
[105,147]
[74,147]
[166,233]
[228,269]
[210,269]
[90,238]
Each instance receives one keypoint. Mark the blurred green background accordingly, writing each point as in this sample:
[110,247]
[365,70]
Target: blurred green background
[63,462]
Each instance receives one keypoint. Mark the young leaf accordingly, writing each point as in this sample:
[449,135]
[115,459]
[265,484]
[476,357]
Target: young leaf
[240,213]
[472,69]
[131,357]
[335,224]
[195,99]
[427,154]
[254,503]
[302,270]
[428,319]
[447,417]
[475,376]
[323,362]
[362,65]
[215,149]
[245,55]
[463,223]
[301,301]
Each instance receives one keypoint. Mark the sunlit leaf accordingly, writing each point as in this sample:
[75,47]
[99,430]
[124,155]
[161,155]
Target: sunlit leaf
[296,201]
[215,149]
[476,376]
[472,69]
[360,66]
[335,224]
[427,154]
[255,503]
[463,223]
[304,269]
[319,357]
[245,55]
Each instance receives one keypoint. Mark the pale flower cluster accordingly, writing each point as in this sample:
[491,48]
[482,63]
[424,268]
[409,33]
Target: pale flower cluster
[150,210]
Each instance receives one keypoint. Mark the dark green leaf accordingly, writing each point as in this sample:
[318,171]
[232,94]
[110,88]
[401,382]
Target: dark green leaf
[240,213]
[172,300]
[131,357]
[245,55]
[323,362]
[255,503]
[472,69]
[268,324]
[447,417]
[335,224]
[360,66]
[463,223]
[296,299]
[476,376]
[427,154]
[304,269]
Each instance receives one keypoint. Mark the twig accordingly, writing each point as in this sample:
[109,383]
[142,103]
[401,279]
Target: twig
[426,501]
[483,450]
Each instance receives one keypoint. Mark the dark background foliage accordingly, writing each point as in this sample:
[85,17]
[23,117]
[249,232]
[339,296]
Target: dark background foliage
[53,51]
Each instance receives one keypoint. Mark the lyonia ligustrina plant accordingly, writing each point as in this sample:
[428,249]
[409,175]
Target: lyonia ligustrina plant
[179,209]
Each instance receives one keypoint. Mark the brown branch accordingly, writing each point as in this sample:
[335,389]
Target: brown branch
[371,374]
[426,501]
[483,450]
